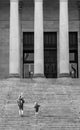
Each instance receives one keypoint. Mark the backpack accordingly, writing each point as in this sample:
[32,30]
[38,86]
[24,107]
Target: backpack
[20,102]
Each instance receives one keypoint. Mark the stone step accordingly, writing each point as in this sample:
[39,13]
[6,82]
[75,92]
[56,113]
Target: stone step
[59,104]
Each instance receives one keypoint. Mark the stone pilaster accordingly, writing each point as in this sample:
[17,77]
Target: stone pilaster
[63,40]
[14,58]
[38,39]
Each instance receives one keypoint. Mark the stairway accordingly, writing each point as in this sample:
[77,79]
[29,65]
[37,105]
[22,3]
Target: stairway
[59,101]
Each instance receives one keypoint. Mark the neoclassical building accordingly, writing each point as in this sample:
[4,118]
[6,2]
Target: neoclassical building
[40,37]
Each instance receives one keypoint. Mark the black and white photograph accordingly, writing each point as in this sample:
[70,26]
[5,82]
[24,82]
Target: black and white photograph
[39,64]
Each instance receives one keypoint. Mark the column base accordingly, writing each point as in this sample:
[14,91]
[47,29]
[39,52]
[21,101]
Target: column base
[38,76]
[14,76]
[64,75]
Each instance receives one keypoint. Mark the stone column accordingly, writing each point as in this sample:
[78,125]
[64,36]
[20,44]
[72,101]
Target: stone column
[14,58]
[63,40]
[38,39]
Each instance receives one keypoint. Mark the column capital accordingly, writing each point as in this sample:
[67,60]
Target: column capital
[14,0]
[63,0]
[38,0]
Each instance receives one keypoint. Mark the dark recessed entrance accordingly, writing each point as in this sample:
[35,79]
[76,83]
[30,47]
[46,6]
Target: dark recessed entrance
[28,54]
[73,53]
[50,54]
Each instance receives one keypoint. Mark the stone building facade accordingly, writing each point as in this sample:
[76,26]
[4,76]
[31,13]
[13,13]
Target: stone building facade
[39,37]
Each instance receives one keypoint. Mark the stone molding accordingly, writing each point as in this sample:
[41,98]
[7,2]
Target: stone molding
[38,0]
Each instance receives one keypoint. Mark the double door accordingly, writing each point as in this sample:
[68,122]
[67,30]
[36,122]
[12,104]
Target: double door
[50,54]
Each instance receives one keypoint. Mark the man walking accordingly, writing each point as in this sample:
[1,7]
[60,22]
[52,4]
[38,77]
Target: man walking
[20,102]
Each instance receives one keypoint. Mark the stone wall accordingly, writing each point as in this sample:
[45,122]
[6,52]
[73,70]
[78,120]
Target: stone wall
[4,41]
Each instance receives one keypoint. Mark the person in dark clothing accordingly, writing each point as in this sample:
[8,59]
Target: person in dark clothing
[36,106]
[73,72]
[20,102]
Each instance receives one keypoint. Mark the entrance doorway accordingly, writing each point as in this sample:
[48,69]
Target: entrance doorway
[28,54]
[73,53]
[50,54]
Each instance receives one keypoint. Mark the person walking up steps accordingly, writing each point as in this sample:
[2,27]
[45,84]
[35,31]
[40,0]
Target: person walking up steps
[36,106]
[20,102]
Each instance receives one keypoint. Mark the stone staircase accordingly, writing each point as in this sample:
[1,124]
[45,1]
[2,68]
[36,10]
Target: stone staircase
[59,101]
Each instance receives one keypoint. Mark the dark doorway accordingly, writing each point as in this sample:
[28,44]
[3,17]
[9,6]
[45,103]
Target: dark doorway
[28,54]
[50,54]
[73,52]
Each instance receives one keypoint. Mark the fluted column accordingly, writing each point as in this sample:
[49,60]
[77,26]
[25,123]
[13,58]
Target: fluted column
[14,59]
[38,39]
[63,40]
